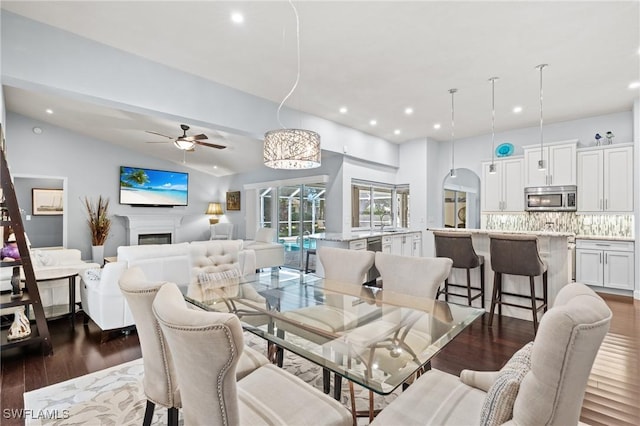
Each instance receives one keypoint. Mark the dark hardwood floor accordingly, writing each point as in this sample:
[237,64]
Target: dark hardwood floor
[612,395]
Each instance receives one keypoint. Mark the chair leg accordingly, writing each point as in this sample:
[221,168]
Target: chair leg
[172,414]
[446,290]
[352,397]
[544,291]
[326,381]
[533,304]
[494,297]
[469,286]
[306,264]
[482,284]
[148,413]
[371,405]
[500,294]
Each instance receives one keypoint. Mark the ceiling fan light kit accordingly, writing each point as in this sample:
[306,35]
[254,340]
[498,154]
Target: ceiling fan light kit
[188,143]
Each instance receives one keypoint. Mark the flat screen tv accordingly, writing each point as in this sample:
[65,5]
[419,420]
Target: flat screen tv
[153,188]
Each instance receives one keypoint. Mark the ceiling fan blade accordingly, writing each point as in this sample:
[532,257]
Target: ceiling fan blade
[210,145]
[159,134]
[201,136]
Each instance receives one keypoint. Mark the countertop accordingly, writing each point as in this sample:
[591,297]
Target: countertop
[496,231]
[539,233]
[352,236]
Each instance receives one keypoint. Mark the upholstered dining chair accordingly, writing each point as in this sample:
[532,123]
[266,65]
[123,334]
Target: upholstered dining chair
[159,382]
[418,276]
[342,266]
[206,348]
[543,383]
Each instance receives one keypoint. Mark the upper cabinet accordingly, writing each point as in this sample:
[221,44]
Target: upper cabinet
[605,179]
[560,164]
[503,191]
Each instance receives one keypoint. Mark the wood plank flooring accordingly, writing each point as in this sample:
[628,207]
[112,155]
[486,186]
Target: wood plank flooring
[612,396]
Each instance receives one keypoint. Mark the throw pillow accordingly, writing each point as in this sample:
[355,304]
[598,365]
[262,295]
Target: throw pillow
[216,285]
[498,405]
[93,274]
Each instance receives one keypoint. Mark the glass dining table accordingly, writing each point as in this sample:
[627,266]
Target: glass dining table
[373,337]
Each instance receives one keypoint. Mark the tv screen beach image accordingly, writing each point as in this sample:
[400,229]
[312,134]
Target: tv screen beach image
[153,187]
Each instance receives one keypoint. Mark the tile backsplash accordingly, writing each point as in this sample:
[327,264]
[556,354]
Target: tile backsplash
[620,225]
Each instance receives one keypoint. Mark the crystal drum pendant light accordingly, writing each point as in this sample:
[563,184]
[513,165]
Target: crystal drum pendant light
[492,166]
[292,148]
[452,172]
[541,165]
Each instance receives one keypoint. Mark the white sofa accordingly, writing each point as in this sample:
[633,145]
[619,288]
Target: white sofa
[52,292]
[269,253]
[180,263]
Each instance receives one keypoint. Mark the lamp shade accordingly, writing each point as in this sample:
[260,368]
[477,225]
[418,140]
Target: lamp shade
[214,208]
[291,149]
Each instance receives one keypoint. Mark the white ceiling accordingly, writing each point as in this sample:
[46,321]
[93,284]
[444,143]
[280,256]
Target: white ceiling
[374,57]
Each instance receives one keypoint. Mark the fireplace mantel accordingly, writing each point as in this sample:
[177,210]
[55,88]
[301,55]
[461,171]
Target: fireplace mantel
[137,224]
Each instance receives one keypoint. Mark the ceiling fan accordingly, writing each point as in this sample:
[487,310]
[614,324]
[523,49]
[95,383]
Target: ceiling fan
[187,143]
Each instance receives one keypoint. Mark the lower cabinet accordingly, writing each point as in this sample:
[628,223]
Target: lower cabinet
[403,245]
[605,263]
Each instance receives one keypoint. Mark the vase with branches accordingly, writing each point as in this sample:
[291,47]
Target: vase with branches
[99,225]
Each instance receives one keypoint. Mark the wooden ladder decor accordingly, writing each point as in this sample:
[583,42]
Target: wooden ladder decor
[30,296]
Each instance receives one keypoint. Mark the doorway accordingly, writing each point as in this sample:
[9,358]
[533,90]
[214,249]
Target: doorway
[299,212]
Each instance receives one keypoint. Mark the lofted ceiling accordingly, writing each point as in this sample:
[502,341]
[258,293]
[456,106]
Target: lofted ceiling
[375,57]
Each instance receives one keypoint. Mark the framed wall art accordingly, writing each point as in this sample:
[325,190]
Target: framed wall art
[47,202]
[233,200]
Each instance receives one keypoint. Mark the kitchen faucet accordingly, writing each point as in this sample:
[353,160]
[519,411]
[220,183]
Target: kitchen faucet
[382,221]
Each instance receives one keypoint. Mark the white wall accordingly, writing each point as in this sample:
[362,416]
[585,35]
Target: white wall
[92,169]
[39,57]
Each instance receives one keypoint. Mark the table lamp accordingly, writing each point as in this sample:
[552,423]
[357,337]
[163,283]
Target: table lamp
[214,209]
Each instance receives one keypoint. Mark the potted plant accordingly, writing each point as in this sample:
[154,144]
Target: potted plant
[99,225]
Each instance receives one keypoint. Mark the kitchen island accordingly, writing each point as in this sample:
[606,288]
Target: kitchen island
[553,247]
[402,242]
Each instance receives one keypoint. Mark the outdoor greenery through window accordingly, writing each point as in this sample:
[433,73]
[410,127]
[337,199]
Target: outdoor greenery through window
[375,205]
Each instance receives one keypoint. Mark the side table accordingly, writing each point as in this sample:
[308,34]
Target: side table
[59,274]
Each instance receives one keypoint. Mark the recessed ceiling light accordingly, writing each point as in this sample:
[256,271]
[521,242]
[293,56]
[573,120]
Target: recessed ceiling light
[37,130]
[237,17]
[436,126]
[517,109]
[396,132]
[215,167]
[634,85]
[343,110]
[373,122]
[49,111]
[408,110]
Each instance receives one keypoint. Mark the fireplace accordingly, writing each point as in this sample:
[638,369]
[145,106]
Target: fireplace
[151,229]
[144,239]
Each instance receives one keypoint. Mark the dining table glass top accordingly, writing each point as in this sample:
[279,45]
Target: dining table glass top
[376,338]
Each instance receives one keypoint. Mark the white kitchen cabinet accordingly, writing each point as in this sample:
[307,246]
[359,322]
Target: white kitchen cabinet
[560,164]
[358,245]
[387,244]
[503,191]
[409,244]
[605,179]
[605,263]
[416,244]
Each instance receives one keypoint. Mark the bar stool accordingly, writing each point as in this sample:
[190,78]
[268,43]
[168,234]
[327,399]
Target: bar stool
[458,247]
[306,265]
[515,254]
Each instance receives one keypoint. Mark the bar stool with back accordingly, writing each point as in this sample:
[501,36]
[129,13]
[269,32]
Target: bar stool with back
[515,254]
[458,247]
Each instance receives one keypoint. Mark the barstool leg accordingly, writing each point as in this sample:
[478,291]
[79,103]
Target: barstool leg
[533,304]
[306,265]
[500,294]
[469,286]
[494,297]
[446,290]
[482,284]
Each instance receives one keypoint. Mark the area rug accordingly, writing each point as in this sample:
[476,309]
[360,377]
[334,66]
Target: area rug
[115,396]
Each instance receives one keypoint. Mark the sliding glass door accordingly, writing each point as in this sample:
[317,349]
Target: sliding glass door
[298,213]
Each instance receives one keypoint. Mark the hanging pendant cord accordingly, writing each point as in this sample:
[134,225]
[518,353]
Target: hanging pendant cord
[452,91]
[541,67]
[295,11]
[493,117]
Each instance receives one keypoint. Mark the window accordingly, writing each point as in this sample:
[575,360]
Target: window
[376,204]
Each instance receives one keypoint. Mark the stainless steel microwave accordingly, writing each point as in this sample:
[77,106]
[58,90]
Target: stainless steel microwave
[550,199]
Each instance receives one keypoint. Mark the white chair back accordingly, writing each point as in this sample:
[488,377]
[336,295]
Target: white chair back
[349,266]
[419,276]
